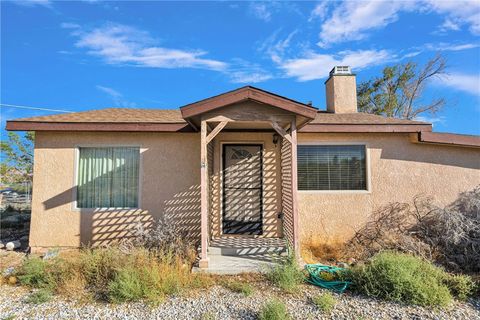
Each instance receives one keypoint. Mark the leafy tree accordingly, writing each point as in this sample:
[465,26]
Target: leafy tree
[398,92]
[17,158]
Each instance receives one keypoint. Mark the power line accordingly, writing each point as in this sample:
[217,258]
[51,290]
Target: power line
[32,108]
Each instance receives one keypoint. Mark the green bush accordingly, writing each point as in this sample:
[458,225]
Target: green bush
[40,296]
[38,273]
[287,275]
[112,275]
[461,286]
[127,286]
[402,278]
[100,266]
[325,302]
[274,310]
[240,287]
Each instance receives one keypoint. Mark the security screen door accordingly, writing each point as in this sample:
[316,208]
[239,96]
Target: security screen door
[242,189]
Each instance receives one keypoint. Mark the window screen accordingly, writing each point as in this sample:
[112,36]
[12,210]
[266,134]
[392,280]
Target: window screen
[108,177]
[331,167]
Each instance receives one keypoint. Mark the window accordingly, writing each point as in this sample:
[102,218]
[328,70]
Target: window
[324,167]
[108,177]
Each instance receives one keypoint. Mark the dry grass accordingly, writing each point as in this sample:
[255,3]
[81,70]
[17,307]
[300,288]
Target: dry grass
[110,274]
[317,250]
[11,258]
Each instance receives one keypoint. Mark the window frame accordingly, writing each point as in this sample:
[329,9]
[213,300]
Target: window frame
[75,177]
[342,143]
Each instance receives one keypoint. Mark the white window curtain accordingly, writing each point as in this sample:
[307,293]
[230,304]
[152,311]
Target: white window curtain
[331,167]
[108,177]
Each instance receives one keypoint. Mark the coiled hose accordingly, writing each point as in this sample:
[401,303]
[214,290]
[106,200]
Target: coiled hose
[315,277]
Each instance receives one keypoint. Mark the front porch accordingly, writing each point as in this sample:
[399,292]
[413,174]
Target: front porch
[248,178]
[240,254]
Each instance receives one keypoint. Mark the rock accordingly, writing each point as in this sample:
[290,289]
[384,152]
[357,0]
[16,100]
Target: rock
[13,245]
[24,239]
[2,245]
[8,271]
[342,264]
[50,254]
[11,221]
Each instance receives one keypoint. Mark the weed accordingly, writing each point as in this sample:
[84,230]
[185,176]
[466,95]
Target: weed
[287,275]
[274,310]
[40,296]
[208,316]
[240,287]
[461,286]
[325,302]
[38,273]
[402,278]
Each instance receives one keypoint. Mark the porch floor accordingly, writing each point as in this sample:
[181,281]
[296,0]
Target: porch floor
[235,255]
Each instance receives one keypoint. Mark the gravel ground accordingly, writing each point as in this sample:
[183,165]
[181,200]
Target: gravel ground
[220,303]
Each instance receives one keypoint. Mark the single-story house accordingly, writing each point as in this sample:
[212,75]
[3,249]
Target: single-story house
[246,164]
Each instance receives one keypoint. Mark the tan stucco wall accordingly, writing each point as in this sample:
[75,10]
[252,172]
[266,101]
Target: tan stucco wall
[341,93]
[170,179]
[398,170]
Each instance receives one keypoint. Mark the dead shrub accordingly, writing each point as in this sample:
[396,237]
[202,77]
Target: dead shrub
[110,274]
[314,251]
[449,235]
[164,236]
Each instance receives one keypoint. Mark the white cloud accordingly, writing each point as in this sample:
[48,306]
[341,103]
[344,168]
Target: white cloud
[261,10]
[33,3]
[276,48]
[432,120]
[69,25]
[117,97]
[353,20]
[120,44]
[442,46]
[449,25]
[468,83]
[458,13]
[264,10]
[316,66]
[320,11]
[123,45]
[245,72]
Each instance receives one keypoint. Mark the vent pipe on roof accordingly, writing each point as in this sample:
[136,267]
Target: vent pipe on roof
[341,89]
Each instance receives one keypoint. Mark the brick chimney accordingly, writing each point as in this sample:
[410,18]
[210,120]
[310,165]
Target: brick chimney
[341,90]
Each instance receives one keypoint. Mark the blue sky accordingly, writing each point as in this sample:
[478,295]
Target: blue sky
[84,55]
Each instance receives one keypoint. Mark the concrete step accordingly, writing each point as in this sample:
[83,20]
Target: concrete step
[221,264]
[247,246]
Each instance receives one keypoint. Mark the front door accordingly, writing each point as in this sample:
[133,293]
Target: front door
[242,189]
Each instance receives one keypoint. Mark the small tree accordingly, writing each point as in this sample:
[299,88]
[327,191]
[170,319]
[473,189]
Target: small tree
[17,158]
[398,92]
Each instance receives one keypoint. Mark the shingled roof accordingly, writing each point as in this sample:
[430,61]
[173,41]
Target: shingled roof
[117,115]
[127,115]
[126,119]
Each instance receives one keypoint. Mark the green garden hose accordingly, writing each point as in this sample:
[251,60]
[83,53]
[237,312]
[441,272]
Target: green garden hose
[315,278]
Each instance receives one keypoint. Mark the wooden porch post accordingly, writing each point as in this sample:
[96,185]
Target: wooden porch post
[293,133]
[203,263]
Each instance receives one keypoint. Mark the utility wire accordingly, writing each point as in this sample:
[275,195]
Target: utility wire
[32,108]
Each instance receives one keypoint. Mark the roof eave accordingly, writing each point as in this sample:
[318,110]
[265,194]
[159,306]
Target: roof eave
[448,139]
[366,128]
[98,126]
